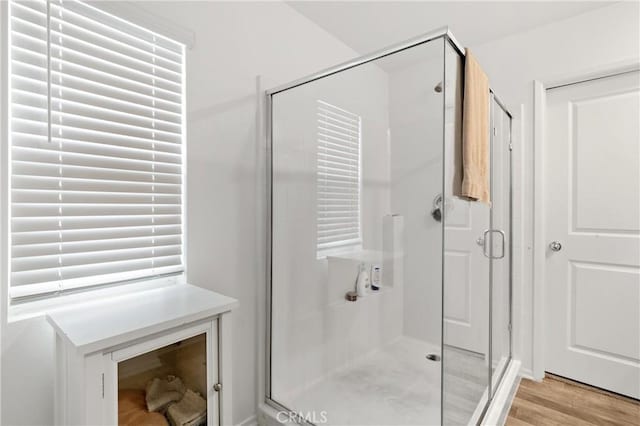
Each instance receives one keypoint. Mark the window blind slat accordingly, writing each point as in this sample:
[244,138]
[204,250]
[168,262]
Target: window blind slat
[33,116]
[96,184]
[89,17]
[329,159]
[337,144]
[338,179]
[64,183]
[52,261]
[91,100]
[342,129]
[339,135]
[80,84]
[52,156]
[339,120]
[93,270]
[36,9]
[67,45]
[77,147]
[138,118]
[85,222]
[92,234]
[39,195]
[96,41]
[340,116]
[30,210]
[72,62]
[71,171]
[343,240]
[161,58]
[44,249]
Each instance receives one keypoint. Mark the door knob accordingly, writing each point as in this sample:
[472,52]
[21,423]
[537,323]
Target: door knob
[555,246]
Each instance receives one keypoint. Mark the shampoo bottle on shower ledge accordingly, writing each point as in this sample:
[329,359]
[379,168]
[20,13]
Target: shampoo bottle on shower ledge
[376,277]
[363,283]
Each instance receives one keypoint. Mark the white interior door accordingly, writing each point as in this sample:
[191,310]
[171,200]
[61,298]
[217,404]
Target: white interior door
[592,203]
[466,274]
[466,269]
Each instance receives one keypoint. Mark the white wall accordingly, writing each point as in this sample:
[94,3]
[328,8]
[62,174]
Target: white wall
[235,42]
[572,47]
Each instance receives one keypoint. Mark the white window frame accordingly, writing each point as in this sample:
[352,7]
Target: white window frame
[345,245]
[37,306]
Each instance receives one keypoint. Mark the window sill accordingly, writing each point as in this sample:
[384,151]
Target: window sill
[325,254]
[39,308]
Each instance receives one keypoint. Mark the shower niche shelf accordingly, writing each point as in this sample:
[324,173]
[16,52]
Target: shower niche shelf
[343,271]
[107,353]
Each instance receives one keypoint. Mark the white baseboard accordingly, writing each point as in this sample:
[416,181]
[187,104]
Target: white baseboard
[501,404]
[249,421]
[526,373]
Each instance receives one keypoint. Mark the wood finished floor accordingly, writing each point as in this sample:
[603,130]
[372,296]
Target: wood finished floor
[558,401]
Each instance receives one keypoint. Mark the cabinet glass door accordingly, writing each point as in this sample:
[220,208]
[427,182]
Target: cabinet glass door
[168,380]
[168,384]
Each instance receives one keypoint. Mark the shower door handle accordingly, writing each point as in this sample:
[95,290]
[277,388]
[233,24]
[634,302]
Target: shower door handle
[485,239]
[502,242]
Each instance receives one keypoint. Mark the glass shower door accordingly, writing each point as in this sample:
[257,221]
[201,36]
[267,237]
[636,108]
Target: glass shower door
[466,274]
[477,262]
[501,253]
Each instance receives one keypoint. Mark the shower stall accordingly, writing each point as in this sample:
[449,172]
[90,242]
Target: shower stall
[389,297]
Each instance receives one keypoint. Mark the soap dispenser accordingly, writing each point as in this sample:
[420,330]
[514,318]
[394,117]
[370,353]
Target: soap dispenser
[363,283]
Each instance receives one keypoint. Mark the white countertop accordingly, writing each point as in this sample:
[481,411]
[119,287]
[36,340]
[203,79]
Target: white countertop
[96,326]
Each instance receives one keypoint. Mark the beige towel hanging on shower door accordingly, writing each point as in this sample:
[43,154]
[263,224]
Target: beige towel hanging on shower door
[475,132]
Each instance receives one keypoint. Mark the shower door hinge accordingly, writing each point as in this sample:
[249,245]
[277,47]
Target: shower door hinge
[510,147]
[102,385]
[495,131]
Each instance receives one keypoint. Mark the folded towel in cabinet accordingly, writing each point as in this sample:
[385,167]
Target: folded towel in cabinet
[162,392]
[190,411]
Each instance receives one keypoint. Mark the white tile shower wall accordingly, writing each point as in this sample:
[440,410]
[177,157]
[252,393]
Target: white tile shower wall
[416,179]
[314,330]
[234,42]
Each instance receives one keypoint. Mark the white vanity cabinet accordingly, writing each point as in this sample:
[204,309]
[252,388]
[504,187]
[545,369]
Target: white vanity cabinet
[107,346]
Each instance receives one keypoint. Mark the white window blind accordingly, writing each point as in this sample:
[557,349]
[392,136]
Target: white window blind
[96,146]
[339,138]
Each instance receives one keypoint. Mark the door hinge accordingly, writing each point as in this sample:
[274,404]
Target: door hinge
[495,131]
[510,328]
[102,385]
[510,147]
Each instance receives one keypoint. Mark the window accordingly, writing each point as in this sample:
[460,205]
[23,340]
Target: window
[339,182]
[96,141]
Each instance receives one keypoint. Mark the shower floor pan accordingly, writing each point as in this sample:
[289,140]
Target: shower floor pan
[396,385]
